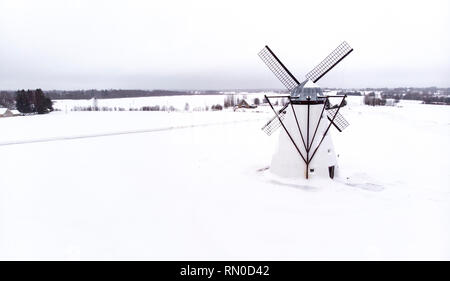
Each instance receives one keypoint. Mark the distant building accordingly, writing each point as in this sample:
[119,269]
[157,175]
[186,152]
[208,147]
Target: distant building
[390,102]
[15,112]
[5,112]
[244,104]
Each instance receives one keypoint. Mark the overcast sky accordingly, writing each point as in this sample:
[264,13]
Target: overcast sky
[214,44]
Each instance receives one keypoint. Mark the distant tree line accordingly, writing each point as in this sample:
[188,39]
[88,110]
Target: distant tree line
[7,99]
[437,100]
[117,93]
[352,93]
[431,95]
[232,100]
[33,101]
[229,101]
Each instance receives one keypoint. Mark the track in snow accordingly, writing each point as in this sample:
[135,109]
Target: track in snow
[117,133]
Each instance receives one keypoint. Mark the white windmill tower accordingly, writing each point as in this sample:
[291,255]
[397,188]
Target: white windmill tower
[305,148]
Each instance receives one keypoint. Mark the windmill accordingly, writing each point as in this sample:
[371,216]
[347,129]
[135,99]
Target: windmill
[305,148]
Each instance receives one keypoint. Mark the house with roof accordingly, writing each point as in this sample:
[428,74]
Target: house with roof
[244,104]
[5,112]
[15,112]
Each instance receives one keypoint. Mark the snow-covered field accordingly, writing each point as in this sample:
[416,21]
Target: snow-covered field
[193,185]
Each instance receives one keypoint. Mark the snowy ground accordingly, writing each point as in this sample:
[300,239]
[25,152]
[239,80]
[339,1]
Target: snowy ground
[157,185]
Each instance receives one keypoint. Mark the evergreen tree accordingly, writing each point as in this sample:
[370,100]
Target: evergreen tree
[22,102]
[33,101]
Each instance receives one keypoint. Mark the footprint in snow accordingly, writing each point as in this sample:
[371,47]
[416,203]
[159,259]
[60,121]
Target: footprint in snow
[367,186]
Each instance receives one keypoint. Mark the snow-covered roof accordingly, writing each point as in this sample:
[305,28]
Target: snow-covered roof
[15,111]
[306,89]
[3,110]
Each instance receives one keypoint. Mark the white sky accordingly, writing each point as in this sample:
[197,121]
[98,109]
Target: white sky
[214,44]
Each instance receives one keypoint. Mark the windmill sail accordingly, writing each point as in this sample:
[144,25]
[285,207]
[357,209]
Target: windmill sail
[329,62]
[273,124]
[278,68]
[339,121]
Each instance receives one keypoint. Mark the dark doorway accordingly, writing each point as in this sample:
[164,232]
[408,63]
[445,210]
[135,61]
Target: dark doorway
[331,171]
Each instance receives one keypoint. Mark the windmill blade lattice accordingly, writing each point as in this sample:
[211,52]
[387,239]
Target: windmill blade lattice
[329,62]
[278,68]
[275,123]
[339,121]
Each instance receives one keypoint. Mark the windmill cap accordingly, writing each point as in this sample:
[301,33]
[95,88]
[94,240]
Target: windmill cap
[307,89]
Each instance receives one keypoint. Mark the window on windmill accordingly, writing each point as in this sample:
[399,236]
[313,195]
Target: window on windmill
[311,171]
[329,151]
